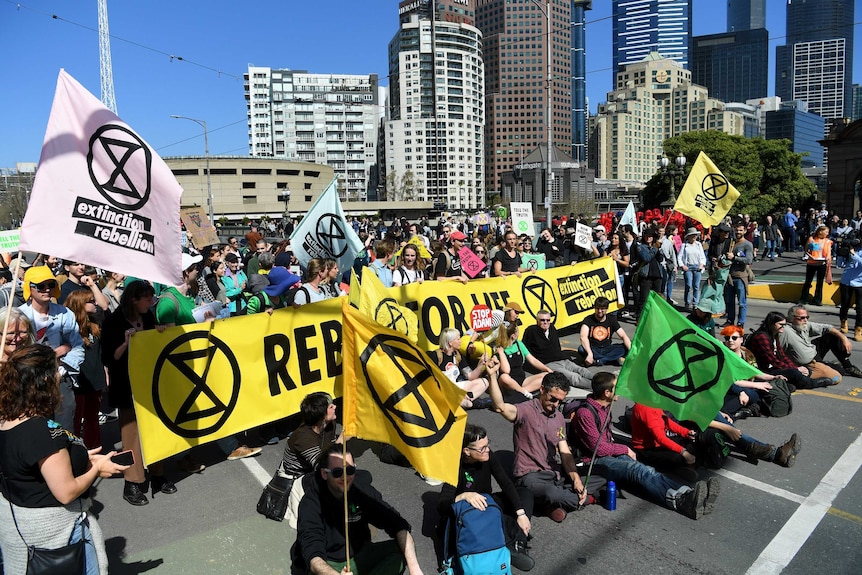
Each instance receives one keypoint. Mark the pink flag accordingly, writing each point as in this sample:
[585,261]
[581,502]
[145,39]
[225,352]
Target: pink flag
[101,195]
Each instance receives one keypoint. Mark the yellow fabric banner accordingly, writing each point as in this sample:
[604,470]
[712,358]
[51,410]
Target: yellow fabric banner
[394,393]
[707,195]
[378,304]
[198,383]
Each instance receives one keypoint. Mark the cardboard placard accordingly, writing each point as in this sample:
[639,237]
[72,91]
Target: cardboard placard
[471,264]
[522,218]
[199,227]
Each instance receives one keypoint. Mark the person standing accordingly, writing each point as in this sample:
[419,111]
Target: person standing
[818,250]
[740,256]
[851,289]
[692,261]
[772,238]
[789,222]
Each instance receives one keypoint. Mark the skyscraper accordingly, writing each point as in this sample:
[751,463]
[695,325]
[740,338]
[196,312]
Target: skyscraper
[434,131]
[816,63]
[515,52]
[734,66]
[644,26]
[746,15]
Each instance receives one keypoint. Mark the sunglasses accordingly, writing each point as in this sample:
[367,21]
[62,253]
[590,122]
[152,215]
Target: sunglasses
[552,399]
[732,337]
[801,317]
[480,251]
[44,286]
[338,472]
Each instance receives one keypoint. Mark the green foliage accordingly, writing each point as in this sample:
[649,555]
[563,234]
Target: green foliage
[767,174]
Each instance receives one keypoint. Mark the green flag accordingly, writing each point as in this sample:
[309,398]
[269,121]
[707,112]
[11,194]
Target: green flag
[676,366]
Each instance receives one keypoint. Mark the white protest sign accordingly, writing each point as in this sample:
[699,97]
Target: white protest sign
[522,217]
[583,236]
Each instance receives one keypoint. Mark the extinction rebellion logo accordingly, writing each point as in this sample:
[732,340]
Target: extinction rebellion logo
[120,167]
[329,240]
[713,189]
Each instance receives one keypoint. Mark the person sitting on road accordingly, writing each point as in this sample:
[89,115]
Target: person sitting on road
[320,545]
[590,431]
[597,330]
[450,361]
[661,442]
[478,465]
[783,455]
[539,436]
[543,342]
[807,342]
[513,356]
[771,357]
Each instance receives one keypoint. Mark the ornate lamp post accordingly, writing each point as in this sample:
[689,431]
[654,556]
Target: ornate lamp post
[285,197]
[671,171]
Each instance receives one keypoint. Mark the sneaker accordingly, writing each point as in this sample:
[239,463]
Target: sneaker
[521,560]
[713,488]
[429,480]
[482,403]
[242,452]
[786,454]
[107,417]
[691,503]
[190,465]
[557,514]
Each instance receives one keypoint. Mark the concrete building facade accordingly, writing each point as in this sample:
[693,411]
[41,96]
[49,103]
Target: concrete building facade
[515,51]
[330,119]
[654,100]
[434,129]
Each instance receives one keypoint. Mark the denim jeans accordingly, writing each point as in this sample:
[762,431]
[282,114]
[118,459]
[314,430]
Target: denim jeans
[770,249]
[735,289]
[92,567]
[668,277]
[624,469]
[692,286]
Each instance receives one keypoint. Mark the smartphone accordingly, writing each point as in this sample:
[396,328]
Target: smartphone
[124,458]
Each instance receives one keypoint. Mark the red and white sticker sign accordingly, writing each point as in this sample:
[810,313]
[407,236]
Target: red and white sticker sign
[480,318]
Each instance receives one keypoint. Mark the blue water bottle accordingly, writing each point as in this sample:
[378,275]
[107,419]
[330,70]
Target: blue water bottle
[611,498]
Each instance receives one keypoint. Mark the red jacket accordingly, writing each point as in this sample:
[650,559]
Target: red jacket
[649,429]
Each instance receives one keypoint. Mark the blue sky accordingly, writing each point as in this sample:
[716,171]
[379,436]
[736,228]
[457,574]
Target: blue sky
[217,40]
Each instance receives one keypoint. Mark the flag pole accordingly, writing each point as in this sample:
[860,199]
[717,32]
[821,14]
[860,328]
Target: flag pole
[346,518]
[596,450]
[9,304]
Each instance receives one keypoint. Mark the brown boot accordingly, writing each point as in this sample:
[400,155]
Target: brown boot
[844,327]
[858,334]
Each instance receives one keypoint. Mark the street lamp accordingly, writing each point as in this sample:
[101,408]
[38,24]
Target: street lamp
[203,124]
[285,197]
[671,172]
[549,173]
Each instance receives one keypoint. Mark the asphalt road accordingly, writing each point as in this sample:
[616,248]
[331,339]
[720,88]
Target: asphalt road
[802,520]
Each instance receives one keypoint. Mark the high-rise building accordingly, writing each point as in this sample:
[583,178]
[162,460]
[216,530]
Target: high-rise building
[328,119]
[816,62]
[857,103]
[434,130]
[733,65]
[746,15]
[654,100]
[516,79]
[792,121]
[641,27]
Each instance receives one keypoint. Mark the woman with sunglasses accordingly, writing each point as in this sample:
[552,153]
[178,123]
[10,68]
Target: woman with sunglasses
[478,465]
[743,398]
[480,249]
[771,357]
[410,267]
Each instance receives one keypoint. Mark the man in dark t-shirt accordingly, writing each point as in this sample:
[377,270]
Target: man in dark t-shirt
[597,331]
[447,265]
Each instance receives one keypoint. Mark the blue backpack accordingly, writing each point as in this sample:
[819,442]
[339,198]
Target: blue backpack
[480,544]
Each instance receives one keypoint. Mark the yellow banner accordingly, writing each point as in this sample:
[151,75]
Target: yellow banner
[707,195]
[394,393]
[198,383]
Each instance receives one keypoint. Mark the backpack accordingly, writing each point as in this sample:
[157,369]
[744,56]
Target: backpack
[244,311]
[713,448]
[569,411]
[480,544]
[290,295]
[435,259]
[777,401]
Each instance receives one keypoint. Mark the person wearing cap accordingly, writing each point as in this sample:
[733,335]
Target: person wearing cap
[692,261]
[15,287]
[507,261]
[543,341]
[447,264]
[55,326]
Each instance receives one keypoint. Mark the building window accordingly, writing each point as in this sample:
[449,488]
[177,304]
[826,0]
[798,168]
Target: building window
[249,185]
[249,199]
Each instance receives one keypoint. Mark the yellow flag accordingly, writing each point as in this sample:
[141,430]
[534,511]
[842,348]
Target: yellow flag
[377,303]
[707,195]
[423,251]
[394,393]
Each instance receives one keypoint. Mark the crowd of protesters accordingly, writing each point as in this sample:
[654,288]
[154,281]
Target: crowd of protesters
[87,317]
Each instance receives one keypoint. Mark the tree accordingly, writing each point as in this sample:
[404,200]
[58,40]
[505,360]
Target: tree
[767,174]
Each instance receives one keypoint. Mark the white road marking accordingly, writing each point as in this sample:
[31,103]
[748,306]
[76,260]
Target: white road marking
[790,539]
[262,475]
[771,489]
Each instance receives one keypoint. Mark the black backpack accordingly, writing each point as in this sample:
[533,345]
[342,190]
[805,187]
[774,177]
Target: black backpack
[713,448]
[777,402]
